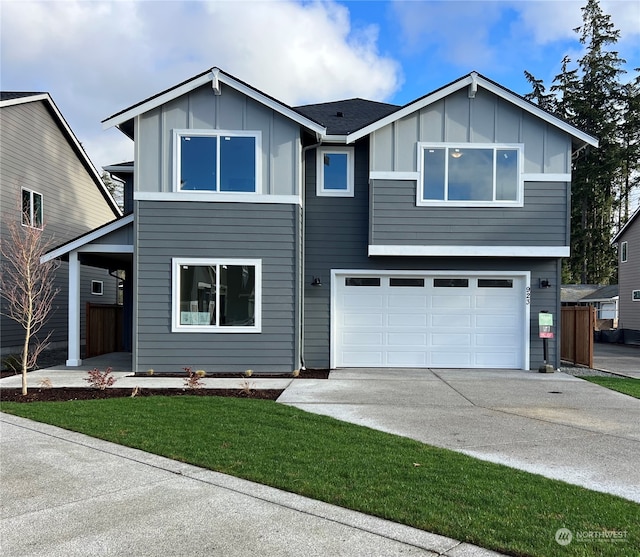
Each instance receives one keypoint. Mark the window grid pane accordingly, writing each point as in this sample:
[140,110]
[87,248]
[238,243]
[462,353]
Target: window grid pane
[433,182]
[336,170]
[198,163]
[237,164]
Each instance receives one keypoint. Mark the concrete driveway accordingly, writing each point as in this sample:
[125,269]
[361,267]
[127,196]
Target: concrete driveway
[551,424]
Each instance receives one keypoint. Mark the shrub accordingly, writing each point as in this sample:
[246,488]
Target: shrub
[194,378]
[100,379]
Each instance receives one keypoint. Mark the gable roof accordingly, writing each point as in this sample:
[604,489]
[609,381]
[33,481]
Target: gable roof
[343,117]
[13,98]
[626,226]
[217,77]
[473,81]
[604,293]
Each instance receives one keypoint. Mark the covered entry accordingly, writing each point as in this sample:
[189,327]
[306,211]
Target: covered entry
[430,319]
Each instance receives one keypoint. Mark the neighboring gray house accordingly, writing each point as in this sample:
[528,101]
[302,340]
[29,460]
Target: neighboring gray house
[344,234]
[628,240]
[45,171]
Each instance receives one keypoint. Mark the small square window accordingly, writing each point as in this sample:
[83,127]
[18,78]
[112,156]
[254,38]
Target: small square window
[624,250]
[451,283]
[335,172]
[362,281]
[635,295]
[32,208]
[97,287]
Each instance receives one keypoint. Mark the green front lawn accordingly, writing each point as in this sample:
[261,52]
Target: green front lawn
[624,385]
[355,467]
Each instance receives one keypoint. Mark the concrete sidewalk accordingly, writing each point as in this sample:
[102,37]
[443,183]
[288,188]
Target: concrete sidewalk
[555,425]
[64,494]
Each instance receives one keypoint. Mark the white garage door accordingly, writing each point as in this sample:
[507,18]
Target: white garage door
[446,321]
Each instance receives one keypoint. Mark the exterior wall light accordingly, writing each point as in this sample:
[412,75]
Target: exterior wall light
[316,281]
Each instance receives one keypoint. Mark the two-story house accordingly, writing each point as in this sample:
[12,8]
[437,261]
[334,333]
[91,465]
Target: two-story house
[345,234]
[47,180]
[628,240]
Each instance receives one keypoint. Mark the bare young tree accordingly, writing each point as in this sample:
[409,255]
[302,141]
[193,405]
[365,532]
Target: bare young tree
[27,287]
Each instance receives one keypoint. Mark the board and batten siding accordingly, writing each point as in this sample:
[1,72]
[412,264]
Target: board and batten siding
[210,230]
[37,155]
[201,109]
[336,237]
[396,220]
[459,119]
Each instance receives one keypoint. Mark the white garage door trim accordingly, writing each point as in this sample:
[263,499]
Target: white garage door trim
[523,280]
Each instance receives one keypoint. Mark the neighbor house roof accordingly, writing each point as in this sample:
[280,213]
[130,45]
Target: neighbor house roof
[626,226]
[13,98]
[217,78]
[473,81]
[343,117]
[604,293]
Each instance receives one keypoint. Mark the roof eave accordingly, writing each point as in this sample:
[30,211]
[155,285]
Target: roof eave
[215,76]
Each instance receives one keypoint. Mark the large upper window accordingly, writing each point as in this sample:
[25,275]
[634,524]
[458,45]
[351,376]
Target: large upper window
[470,174]
[214,160]
[32,208]
[335,171]
[222,295]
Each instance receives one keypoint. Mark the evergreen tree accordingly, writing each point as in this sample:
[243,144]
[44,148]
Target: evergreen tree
[591,97]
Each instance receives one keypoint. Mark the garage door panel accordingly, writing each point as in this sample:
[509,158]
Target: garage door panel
[407,320]
[448,359]
[360,301]
[363,319]
[362,339]
[404,302]
[454,340]
[406,358]
[406,339]
[442,321]
[499,339]
[498,321]
[451,302]
[496,359]
[495,303]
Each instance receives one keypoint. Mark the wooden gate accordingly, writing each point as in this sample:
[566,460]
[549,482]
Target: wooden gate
[103,330]
[577,326]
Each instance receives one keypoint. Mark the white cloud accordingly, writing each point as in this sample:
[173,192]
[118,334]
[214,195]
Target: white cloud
[97,58]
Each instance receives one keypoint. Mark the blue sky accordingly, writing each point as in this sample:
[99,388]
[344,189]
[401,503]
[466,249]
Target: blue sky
[96,58]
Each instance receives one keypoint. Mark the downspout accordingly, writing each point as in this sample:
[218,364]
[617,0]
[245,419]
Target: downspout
[303,243]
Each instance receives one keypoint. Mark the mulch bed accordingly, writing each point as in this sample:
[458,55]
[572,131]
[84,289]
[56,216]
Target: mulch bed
[61,394]
[64,394]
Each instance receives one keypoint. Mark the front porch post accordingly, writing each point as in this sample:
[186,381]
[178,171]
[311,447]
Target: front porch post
[74,311]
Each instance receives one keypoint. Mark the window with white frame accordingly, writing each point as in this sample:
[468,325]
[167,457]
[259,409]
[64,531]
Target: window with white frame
[335,171]
[97,287]
[217,295]
[623,252]
[217,161]
[635,295]
[32,208]
[471,174]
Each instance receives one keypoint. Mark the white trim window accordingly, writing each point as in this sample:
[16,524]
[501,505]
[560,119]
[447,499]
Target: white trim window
[97,287]
[624,250]
[470,174]
[217,161]
[217,295]
[635,295]
[32,210]
[335,172]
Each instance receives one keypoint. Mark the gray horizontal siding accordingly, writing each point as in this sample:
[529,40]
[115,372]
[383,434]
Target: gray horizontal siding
[629,278]
[395,218]
[209,230]
[336,237]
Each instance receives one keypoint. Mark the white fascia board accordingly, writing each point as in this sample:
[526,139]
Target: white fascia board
[469,251]
[409,109]
[334,139]
[471,79]
[533,109]
[157,101]
[216,76]
[72,136]
[215,197]
[86,239]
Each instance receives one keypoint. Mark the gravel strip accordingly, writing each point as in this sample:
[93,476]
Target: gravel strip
[584,371]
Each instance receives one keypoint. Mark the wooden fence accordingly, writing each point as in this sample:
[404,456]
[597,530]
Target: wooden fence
[577,326]
[104,329]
